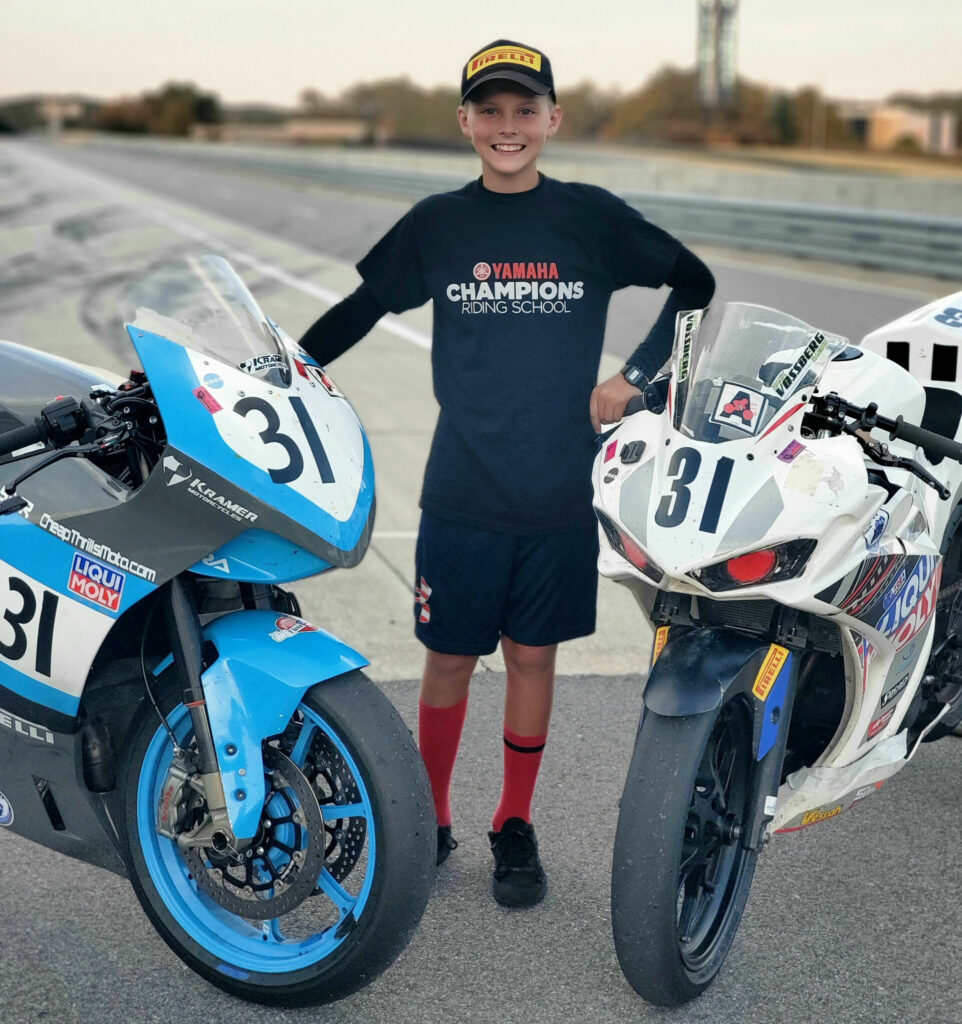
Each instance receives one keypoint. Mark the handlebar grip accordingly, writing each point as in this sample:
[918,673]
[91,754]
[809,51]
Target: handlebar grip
[932,443]
[22,437]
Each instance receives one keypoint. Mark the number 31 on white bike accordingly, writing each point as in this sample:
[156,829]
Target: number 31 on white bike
[799,555]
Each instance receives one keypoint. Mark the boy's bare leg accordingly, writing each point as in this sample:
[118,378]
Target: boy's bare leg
[446,678]
[530,690]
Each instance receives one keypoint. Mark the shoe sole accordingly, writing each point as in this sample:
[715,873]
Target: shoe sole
[519,902]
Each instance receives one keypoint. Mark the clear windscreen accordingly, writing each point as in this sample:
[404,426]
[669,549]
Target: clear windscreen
[737,367]
[200,303]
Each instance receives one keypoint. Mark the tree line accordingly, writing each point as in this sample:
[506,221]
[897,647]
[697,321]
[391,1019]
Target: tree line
[663,110]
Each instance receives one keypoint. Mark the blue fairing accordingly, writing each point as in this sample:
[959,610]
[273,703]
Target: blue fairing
[190,430]
[252,689]
[260,557]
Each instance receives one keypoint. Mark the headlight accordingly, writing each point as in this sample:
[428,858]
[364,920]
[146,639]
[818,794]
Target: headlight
[766,565]
[628,548]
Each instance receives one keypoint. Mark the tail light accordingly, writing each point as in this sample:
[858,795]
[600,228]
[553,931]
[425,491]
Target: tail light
[766,565]
[628,548]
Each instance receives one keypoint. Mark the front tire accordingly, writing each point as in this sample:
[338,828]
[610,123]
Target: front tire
[680,874]
[379,850]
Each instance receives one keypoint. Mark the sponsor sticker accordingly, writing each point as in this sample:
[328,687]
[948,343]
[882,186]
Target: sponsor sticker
[213,380]
[791,451]
[951,317]
[740,407]
[611,474]
[817,814]
[326,382]
[787,379]
[268,361]
[95,548]
[176,473]
[661,638]
[915,603]
[95,582]
[771,803]
[22,727]
[289,625]
[768,673]
[876,529]
[610,450]
[207,400]
[684,357]
[893,693]
[880,723]
[6,812]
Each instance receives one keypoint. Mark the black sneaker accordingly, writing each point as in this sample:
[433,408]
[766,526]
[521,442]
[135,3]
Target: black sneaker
[519,879]
[446,843]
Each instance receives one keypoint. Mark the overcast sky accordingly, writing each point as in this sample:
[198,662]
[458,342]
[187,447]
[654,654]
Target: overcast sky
[269,51]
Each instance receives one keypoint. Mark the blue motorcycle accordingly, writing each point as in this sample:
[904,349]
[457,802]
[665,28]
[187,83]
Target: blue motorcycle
[165,711]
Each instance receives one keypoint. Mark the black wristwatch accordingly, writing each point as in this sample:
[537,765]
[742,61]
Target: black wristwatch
[635,375]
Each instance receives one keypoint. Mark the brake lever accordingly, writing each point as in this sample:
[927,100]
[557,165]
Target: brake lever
[879,453]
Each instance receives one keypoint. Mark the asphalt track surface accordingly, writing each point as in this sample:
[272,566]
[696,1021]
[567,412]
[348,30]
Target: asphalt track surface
[855,921]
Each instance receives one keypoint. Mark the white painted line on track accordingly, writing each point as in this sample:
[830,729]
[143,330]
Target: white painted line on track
[107,187]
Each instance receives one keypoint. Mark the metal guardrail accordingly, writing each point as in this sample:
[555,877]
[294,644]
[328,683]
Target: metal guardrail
[883,240]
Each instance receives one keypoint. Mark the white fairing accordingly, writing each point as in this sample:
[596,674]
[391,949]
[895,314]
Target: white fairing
[332,417]
[694,498]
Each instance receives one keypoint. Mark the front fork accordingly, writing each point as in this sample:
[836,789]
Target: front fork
[194,775]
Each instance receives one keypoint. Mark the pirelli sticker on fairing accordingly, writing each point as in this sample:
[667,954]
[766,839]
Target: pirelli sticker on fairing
[769,671]
[661,638]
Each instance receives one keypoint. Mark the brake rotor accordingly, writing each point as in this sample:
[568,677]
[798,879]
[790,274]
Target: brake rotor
[280,868]
[334,784]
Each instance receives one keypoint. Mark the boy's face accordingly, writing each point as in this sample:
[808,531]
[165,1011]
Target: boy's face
[508,130]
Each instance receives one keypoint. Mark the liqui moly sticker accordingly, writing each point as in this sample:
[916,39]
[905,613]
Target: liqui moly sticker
[95,582]
[6,812]
[288,626]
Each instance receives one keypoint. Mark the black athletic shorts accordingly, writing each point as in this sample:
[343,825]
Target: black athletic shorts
[473,585]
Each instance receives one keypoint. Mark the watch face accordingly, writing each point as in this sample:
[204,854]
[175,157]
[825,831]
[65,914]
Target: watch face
[633,374]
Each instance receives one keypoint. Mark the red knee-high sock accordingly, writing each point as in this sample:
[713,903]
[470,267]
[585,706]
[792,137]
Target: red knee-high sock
[439,736]
[522,759]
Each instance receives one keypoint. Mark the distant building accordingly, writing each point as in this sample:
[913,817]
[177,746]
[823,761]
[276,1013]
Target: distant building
[883,127]
[717,67]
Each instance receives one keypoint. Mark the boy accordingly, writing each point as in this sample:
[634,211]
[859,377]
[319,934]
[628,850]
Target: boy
[520,269]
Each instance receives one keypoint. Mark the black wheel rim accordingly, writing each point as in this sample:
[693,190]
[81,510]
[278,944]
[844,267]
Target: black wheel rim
[712,858]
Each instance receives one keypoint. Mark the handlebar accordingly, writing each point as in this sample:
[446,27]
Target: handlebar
[22,437]
[61,421]
[930,442]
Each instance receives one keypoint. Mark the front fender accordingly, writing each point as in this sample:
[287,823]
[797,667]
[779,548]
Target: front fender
[699,667]
[253,688]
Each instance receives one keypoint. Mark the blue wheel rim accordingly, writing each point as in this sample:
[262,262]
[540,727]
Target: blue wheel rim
[240,946]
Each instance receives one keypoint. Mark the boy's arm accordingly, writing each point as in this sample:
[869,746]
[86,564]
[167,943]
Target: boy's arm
[692,287]
[342,325]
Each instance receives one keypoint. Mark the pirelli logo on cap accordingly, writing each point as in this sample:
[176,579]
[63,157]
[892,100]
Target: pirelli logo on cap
[768,673]
[504,55]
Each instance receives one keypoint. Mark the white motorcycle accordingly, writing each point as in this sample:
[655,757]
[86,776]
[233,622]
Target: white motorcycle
[802,577]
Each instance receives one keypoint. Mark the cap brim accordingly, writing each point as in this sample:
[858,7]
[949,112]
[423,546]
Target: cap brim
[512,76]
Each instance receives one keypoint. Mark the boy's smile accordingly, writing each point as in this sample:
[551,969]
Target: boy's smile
[508,131]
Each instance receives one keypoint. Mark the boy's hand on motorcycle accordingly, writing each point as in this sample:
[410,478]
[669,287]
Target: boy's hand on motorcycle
[608,400]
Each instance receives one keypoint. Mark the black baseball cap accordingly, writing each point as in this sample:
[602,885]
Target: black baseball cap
[513,61]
